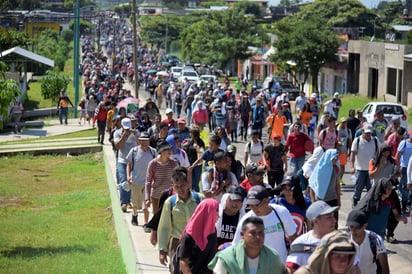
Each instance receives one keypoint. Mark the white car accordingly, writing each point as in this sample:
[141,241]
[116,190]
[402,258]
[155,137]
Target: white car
[206,78]
[390,111]
[176,72]
[190,75]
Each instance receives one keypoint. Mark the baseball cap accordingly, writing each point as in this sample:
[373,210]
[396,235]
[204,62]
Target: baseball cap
[367,129]
[254,169]
[336,94]
[144,136]
[181,121]
[356,218]
[255,132]
[168,110]
[256,195]
[238,193]
[277,137]
[164,145]
[231,148]
[343,119]
[126,123]
[326,113]
[319,208]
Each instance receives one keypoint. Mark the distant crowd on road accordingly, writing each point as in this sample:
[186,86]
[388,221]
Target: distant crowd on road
[212,213]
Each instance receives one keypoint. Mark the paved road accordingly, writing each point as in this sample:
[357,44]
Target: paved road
[146,256]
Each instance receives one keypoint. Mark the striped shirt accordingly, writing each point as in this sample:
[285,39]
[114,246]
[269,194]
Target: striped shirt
[158,178]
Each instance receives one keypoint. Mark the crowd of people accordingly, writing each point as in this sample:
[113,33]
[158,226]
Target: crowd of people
[213,211]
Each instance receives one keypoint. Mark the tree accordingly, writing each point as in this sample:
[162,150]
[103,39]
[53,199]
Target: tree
[52,83]
[11,38]
[249,8]
[309,45]
[9,90]
[341,13]
[51,45]
[219,37]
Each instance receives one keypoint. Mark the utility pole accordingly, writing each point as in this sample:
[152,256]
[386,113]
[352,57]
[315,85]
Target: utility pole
[76,54]
[134,24]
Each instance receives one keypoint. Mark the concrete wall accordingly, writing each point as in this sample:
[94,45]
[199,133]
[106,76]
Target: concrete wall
[381,56]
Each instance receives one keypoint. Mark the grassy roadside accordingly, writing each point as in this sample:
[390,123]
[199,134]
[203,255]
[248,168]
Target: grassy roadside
[55,222]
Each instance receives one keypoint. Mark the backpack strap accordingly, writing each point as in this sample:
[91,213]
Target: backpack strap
[373,243]
[174,197]
[281,223]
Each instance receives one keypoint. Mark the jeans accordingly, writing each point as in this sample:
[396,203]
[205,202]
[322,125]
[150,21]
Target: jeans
[257,126]
[362,181]
[196,173]
[406,195]
[121,175]
[296,163]
[101,129]
[63,112]
[189,115]
[221,122]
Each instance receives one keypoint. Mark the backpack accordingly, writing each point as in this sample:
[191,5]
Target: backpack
[249,144]
[135,151]
[374,139]
[174,197]
[190,151]
[287,243]
[324,135]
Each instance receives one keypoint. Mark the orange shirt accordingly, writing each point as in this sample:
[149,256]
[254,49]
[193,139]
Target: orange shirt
[277,122]
[306,117]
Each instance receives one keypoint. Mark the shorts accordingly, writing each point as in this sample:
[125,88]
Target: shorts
[137,196]
[343,159]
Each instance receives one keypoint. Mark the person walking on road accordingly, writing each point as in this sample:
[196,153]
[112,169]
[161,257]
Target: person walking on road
[363,149]
[63,107]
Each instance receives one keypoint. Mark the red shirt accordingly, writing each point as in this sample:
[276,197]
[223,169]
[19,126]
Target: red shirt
[295,144]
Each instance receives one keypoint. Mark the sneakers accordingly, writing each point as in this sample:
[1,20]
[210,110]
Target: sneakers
[124,207]
[134,220]
[129,206]
[342,183]
[390,239]
[146,228]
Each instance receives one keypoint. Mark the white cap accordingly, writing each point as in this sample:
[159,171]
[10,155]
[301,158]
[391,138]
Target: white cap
[126,123]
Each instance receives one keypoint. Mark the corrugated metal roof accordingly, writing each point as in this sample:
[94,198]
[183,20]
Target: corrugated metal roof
[26,55]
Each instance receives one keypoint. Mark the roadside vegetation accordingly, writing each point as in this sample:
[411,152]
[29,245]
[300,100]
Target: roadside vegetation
[54,221]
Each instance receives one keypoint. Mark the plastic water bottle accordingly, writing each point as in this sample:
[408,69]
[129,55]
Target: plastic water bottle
[353,179]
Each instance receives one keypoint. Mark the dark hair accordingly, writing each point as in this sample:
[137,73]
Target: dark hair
[162,125]
[252,220]
[196,133]
[401,131]
[179,174]
[294,183]
[220,156]
[215,139]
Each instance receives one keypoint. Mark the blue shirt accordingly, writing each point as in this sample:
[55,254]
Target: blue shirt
[405,149]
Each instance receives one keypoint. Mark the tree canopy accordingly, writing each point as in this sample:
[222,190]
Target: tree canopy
[9,90]
[219,36]
[340,13]
[52,83]
[309,45]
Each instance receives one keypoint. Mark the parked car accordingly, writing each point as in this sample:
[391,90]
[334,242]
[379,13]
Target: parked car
[207,77]
[190,75]
[285,85]
[176,72]
[390,111]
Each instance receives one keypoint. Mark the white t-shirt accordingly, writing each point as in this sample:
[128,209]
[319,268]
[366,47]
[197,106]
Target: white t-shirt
[274,234]
[206,185]
[365,151]
[255,151]
[365,255]
[252,263]
[301,259]
[181,158]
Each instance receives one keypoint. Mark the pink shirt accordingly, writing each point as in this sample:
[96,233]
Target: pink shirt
[393,142]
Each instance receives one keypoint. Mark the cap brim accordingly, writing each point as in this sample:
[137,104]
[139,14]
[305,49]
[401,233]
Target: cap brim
[330,210]
[253,201]
[144,139]
[353,223]
[235,197]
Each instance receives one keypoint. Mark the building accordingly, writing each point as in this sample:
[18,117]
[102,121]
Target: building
[380,70]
